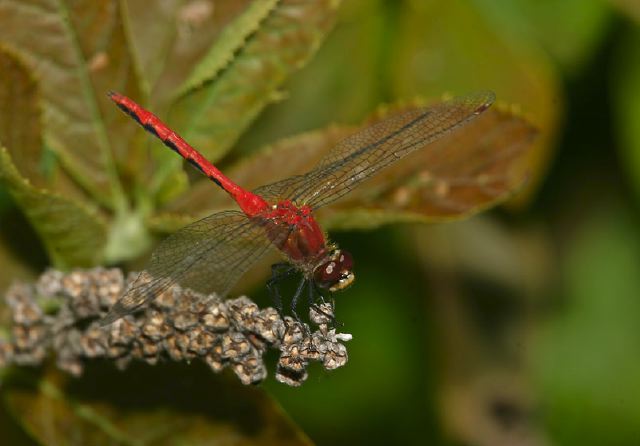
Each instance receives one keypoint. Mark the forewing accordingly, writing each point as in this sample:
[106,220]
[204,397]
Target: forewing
[282,189]
[457,175]
[206,256]
[364,153]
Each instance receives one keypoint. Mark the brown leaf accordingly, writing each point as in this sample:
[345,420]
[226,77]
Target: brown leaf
[76,50]
[458,175]
[20,128]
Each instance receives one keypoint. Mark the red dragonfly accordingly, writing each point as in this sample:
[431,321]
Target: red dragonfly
[211,254]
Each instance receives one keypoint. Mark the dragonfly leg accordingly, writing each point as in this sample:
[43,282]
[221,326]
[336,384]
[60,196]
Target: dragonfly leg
[294,304]
[296,298]
[311,295]
[279,271]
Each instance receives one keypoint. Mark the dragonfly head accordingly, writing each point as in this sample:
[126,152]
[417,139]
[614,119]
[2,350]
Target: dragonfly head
[335,273]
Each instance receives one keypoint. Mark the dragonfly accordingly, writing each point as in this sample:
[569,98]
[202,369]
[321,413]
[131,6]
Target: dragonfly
[211,254]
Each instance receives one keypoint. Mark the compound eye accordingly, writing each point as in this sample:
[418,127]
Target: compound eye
[344,260]
[328,273]
[335,273]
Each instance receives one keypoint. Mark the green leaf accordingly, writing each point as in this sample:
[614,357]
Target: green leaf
[570,30]
[77,51]
[626,91]
[325,91]
[231,39]
[587,363]
[213,117]
[72,234]
[163,405]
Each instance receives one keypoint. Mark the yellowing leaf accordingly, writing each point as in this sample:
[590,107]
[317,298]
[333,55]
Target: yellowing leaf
[452,46]
[626,89]
[629,7]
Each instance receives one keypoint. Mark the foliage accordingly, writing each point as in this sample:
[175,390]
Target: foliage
[511,328]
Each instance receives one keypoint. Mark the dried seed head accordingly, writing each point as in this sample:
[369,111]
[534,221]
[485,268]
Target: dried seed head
[291,378]
[178,325]
[149,349]
[24,309]
[182,342]
[335,357]
[321,314]
[92,342]
[251,370]
[215,362]
[234,345]
[172,349]
[49,283]
[123,331]
[155,327]
[293,359]
[294,331]
[201,342]
[185,320]
[269,326]
[216,318]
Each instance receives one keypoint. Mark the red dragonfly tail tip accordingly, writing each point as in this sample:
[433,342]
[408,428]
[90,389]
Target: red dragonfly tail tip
[115,96]
[123,103]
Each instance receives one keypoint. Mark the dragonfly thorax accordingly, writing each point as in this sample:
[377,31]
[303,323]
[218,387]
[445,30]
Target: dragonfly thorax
[335,272]
[305,242]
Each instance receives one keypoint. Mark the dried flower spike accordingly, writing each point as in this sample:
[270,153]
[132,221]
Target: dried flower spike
[177,326]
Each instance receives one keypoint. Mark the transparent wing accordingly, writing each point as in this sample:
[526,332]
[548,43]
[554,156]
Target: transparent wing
[364,153]
[282,189]
[208,255]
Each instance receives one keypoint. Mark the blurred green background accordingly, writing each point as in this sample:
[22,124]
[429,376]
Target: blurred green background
[518,326]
